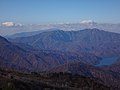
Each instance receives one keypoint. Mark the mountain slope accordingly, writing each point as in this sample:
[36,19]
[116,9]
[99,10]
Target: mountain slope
[38,60]
[106,76]
[94,41]
[10,80]
[17,58]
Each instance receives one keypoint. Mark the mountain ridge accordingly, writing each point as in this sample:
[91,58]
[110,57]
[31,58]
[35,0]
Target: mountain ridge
[88,40]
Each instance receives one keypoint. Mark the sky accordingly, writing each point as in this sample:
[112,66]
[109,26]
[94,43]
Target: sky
[58,11]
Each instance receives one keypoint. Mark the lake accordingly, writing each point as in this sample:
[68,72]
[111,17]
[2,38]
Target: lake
[108,60]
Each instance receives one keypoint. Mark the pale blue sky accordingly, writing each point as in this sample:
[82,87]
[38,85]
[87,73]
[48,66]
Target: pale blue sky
[51,11]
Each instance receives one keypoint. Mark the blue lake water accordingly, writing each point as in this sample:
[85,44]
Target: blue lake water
[107,60]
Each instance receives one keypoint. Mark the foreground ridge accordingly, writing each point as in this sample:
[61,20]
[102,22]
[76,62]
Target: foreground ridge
[11,80]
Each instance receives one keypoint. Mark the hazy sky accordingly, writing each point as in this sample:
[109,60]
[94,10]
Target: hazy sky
[51,11]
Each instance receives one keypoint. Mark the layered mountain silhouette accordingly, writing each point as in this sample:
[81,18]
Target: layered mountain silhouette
[75,52]
[27,58]
[95,41]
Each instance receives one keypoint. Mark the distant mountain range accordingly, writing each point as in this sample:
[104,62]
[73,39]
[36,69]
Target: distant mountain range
[98,42]
[9,28]
[26,34]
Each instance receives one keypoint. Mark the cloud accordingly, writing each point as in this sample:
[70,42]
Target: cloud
[10,24]
[87,21]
